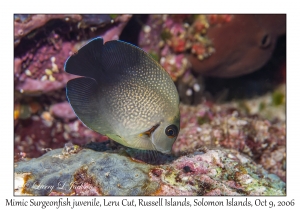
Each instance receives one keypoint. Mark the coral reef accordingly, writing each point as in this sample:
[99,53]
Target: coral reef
[63,110]
[28,26]
[25,24]
[78,171]
[169,45]
[255,127]
[38,134]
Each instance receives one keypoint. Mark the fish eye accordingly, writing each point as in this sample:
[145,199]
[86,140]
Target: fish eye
[265,41]
[171,131]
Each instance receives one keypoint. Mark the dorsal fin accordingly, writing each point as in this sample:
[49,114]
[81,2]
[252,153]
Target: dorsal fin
[87,61]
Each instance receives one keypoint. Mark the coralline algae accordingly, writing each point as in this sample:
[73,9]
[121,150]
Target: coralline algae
[77,171]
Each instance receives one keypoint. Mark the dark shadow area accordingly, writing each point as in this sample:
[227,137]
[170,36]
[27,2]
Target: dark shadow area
[132,30]
[146,156]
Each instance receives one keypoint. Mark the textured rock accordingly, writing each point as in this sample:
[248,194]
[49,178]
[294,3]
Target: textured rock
[77,171]
[37,134]
[63,110]
[255,127]
[111,174]
[24,24]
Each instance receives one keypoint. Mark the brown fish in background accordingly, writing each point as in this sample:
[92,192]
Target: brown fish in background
[242,45]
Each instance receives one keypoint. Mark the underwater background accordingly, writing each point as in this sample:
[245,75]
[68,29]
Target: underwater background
[230,73]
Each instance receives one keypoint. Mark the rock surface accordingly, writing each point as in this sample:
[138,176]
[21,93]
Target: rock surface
[79,171]
[255,127]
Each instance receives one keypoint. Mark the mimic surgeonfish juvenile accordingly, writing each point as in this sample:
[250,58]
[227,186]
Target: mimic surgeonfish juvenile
[124,94]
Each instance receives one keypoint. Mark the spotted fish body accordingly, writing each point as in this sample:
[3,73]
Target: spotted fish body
[124,94]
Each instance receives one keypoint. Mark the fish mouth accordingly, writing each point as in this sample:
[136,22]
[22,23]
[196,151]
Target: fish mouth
[150,134]
[164,151]
[157,149]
